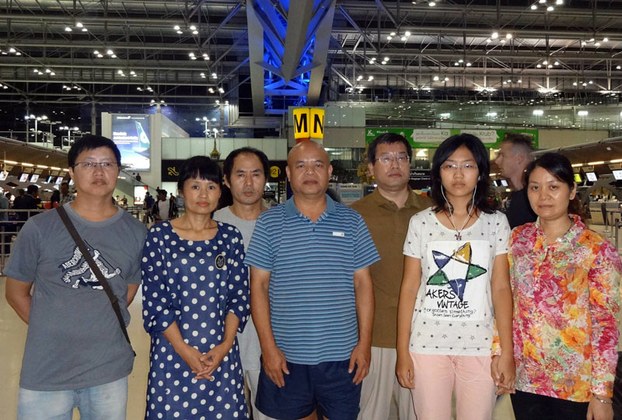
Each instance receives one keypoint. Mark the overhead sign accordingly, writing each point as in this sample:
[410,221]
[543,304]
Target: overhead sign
[431,138]
[308,123]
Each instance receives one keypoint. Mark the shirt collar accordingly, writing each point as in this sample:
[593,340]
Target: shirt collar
[291,210]
[575,229]
[381,201]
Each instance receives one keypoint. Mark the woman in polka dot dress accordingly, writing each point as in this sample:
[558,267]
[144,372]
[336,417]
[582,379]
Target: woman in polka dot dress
[195,299]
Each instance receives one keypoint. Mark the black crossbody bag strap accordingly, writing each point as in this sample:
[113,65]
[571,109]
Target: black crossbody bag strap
[95,269]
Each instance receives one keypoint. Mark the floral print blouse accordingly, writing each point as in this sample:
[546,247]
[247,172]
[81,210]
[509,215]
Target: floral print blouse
[566,299]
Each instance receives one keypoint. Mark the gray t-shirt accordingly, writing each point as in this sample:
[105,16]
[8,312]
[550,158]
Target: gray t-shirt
[250,350]
[74,338]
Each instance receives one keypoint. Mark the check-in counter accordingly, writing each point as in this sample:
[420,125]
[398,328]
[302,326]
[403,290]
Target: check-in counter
[598,211]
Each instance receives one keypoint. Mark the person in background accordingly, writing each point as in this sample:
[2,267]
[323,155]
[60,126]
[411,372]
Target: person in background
[386,212]
[164,209]
[5,237]
[311,297]
[513,157]
[21,193]
[123,203]
[148,203]
[5,204]
[76,353]
[195,299]
[566,283]
[245,175]
[54,199]
[29,201]
[454,328]
[65,194]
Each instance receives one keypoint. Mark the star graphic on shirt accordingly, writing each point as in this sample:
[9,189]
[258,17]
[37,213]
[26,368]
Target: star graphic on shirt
[458,262]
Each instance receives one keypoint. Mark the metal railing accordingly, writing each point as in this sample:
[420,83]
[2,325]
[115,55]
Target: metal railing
[15,220]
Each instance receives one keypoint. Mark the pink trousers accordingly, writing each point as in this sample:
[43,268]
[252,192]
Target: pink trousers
[438,377]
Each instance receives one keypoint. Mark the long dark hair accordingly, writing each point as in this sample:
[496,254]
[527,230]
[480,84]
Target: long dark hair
[560,167]
[480,154]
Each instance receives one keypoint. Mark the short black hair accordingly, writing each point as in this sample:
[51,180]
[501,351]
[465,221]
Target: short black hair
[200,167]
[481,156]
[227,166]
[32,189]
[387,138]
[90,142]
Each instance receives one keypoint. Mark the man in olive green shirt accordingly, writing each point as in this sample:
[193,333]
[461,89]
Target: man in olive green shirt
[387,212]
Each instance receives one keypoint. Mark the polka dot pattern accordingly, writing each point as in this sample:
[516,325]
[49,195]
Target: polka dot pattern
[194,284]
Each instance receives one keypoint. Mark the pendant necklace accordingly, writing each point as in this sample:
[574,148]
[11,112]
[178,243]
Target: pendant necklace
[450,216]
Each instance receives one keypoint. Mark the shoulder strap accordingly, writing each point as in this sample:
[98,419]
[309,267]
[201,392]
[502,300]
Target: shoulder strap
[94,268]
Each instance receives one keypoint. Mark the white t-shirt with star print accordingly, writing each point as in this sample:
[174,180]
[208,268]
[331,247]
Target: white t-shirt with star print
[453,314]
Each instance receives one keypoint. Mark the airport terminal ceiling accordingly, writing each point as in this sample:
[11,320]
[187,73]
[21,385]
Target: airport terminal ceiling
[418,64]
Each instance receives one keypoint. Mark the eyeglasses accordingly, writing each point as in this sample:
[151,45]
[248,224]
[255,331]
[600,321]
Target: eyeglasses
[91,165]
[388,158]
[453,167]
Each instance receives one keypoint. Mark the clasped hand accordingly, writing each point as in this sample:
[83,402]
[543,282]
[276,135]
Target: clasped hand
[203,365]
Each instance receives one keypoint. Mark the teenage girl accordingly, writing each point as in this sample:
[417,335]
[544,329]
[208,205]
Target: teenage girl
[455,309]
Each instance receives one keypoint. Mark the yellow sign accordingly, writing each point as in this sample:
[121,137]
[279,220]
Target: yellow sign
[308,123]
[275,171]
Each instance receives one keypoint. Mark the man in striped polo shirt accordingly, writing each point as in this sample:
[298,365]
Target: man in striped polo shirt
[311,297]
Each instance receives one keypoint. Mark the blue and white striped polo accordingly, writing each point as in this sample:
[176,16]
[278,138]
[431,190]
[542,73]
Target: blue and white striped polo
[312,265]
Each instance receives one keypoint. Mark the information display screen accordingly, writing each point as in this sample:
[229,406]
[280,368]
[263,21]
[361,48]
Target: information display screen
[131,133]
[617,174]
[591,176]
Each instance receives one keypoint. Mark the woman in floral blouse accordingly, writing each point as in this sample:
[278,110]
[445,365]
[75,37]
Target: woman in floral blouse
[565,280]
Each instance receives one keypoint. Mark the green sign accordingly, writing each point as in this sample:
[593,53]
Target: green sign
[431,138]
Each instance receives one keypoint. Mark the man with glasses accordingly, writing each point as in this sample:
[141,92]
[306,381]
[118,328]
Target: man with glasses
[387,212]
[76,354]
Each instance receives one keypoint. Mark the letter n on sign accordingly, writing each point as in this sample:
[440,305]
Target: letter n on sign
[308,123]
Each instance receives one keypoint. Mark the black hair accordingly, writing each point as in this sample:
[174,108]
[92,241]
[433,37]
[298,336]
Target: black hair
[90,142]
[200,167]
[32,189]
[228,163]
[481,156]
[55,197]
[387,138]
[556,164]
[560,167]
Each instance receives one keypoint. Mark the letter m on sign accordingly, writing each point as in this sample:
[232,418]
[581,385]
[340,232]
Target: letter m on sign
[308,123]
